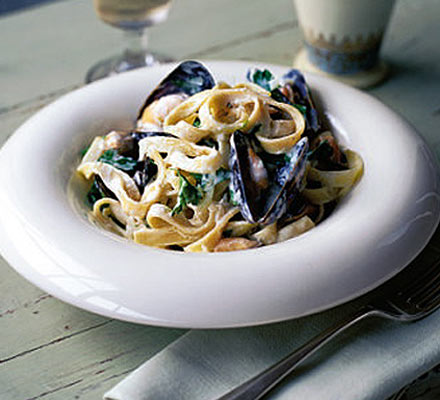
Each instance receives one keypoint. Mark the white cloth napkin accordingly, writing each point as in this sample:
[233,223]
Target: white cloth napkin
[371,361]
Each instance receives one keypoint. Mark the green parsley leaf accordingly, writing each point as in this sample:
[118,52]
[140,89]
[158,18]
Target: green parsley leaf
[301,108]
[188,194]
[197,122]
[262,78]
[197,177]
[204,181]
[85,150]
[113,158]
[221,175]
[232,198]
[94,194]
[277,95]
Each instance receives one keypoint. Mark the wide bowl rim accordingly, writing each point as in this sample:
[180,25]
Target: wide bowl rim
[115,295]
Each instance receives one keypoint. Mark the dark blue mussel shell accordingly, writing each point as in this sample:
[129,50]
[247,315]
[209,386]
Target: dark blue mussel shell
[189,77]
[302,96]
[265,202]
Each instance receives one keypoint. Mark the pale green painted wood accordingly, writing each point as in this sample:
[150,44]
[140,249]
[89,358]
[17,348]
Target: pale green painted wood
[412,48]
[83,363]
[58,43]
[50,349]
[56,351]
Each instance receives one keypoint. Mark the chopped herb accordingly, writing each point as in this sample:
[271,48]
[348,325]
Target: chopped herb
[188,194]
[95,193]
[208,142]
[222,175]
[85,150]
[232,198]
[98,190]
[197,122]
[113,158]
[277,95]
[206,180]
[262,78]
[197,177]
[301,108]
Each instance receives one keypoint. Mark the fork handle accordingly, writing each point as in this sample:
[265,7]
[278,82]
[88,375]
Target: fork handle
[258,386]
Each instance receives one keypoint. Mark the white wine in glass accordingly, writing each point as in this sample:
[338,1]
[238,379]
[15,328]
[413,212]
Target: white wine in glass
[132,16]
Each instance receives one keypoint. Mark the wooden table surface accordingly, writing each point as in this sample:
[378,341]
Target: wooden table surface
[51,350]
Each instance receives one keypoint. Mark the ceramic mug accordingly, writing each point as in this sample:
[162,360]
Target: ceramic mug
[342,38]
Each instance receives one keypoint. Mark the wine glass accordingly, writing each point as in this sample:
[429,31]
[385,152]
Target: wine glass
[133,16]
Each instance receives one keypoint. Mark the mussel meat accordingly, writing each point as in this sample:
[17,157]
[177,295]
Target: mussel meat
[130,142]
[262,184]
[325,153]
[187,79]
[125,147]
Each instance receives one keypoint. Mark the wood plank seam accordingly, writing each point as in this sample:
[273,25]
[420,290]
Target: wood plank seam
[42,100]
[285,26]
[41,395]
[95,386]
[54,341]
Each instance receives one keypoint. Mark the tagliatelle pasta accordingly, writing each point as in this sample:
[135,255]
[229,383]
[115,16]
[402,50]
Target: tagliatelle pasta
[213,167]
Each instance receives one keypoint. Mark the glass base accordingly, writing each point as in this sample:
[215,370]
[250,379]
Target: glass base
[361,80]
[118,64]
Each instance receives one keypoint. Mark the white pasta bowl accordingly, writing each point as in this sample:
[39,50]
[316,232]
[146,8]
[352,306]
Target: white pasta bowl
[378,228]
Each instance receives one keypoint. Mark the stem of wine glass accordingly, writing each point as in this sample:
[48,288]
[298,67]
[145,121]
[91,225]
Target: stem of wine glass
[135,54]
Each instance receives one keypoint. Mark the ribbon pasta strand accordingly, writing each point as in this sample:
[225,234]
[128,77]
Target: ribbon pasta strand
[196,157]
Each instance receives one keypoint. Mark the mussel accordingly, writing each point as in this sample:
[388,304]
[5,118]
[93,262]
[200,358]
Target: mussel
[124,148]
[263,184]
[326,154]
[187,79]
[127,143]
[146,169]
[294,87]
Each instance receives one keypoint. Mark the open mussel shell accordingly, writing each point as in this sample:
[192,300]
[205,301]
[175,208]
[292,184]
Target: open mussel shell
[263,186]
[127,143]
[189,77]
[299,93]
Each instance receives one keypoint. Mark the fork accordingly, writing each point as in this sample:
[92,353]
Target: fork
[395,301]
